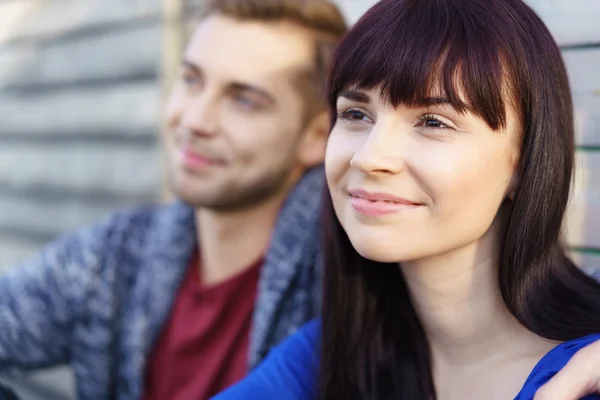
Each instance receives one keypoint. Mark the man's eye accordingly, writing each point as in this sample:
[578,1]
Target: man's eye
[189,79]
[246,102]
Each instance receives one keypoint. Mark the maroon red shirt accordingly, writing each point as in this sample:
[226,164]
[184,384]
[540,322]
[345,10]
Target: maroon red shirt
[203,348]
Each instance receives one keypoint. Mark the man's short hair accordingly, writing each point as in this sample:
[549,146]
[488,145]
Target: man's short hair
[320,17]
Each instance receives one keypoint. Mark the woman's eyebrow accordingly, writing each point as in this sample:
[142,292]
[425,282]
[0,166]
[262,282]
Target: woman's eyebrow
[443,101]
[355,95]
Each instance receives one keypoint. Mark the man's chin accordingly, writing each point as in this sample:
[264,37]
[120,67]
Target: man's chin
[195,198]
[194,193]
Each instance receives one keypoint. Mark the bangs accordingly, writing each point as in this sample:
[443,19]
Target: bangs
[417,49]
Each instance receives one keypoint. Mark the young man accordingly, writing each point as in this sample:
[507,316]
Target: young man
[175,302]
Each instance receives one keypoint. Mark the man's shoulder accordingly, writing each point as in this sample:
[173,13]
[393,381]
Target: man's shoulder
[121,240]
[140,220]
[140,216]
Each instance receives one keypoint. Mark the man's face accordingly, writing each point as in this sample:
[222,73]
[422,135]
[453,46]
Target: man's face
[236,118]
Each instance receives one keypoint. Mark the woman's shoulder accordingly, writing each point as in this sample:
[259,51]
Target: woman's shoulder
[553,362]
[303,346]
[289,372]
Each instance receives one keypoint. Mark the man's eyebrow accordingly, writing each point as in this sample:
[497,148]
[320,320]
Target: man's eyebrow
[194,67]
[355,95]
[234,86]
[244,87]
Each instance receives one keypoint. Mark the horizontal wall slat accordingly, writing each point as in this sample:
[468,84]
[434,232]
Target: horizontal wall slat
[43,220]
[39,19]
[587,119]
[56,383]
[27,234]
[583,216]
[583,66]
[134,107]
[13,12]
[14,249]
[113,54]
[588,261]
[571,22]
[51,138]
[353,9]
[128,171]
[62,194]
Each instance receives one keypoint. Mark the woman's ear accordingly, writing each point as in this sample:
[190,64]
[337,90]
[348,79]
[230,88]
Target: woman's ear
[311,149]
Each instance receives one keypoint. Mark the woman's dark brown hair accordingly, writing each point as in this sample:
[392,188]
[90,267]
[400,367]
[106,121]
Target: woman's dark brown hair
[494,54]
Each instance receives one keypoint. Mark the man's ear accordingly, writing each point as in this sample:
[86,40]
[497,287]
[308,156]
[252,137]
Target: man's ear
[311,149]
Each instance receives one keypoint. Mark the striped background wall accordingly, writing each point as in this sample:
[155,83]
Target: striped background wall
[79,115]
[576,27]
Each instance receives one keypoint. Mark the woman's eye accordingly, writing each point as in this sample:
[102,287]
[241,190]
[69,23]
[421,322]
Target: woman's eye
[432,122]
[353,115]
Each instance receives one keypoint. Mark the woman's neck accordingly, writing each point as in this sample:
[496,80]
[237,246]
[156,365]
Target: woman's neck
[459,304]
[471,333]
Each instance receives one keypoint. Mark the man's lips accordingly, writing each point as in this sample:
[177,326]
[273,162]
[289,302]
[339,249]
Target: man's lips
[194,160]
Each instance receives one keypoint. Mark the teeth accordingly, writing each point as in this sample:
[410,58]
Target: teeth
[378,201]
[384,201]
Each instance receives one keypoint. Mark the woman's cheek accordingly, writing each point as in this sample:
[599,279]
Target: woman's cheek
[340,150]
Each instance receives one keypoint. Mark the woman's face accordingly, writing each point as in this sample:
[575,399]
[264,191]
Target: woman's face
[409,183]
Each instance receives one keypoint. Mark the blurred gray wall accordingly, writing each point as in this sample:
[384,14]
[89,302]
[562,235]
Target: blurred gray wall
[79,115]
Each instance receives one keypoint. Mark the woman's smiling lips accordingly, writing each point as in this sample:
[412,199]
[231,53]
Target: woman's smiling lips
[379,204]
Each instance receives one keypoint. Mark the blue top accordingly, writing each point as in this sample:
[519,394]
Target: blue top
[290,370]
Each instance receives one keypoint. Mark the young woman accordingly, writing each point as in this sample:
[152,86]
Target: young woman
[449,168]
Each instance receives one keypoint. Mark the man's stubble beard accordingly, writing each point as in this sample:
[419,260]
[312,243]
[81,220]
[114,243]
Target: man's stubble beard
[235,197]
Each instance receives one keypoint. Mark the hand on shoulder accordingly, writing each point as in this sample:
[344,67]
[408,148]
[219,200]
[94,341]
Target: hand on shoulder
[580,377]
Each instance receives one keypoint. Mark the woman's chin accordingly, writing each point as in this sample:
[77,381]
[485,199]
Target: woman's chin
[379,252]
